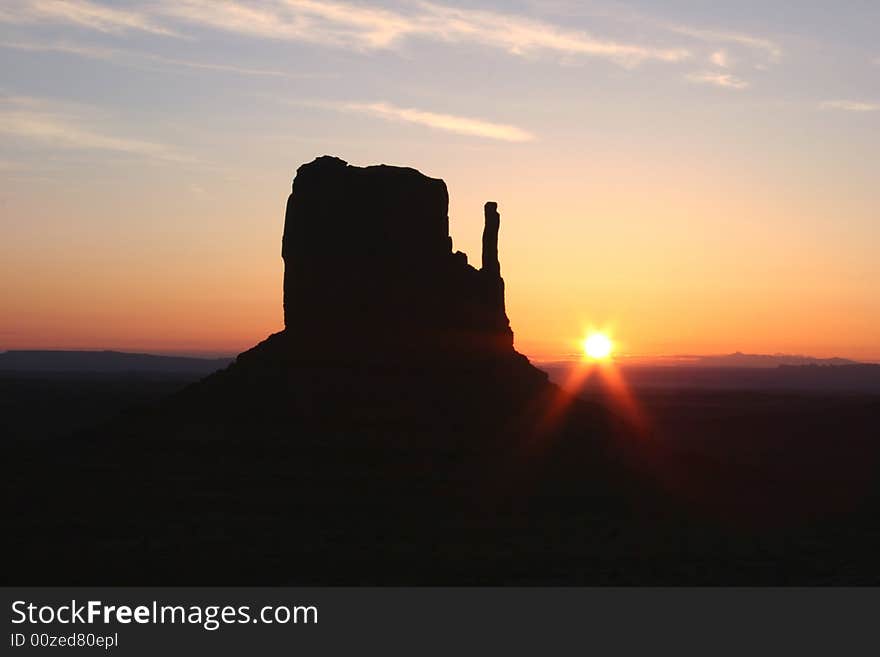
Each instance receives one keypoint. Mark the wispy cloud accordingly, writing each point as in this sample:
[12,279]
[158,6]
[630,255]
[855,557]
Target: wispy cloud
[851,105]
[132,58]
[716,37]
[725,80]
[82,13]
[720,58]
[770,48]
[345,24]
[326,23]
[462,125]
[519,35]
[34,120]
[348,25]
[91,52]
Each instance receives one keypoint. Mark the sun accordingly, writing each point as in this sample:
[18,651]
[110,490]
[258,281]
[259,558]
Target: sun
[597,346]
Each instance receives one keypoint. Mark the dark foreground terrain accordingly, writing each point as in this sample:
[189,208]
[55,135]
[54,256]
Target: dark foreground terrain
[713,487]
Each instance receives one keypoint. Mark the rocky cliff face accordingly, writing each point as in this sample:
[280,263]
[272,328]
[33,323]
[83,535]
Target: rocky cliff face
[370,271]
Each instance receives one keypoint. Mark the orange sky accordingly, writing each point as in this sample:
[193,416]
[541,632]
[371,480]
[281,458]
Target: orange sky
[143,270]
[695,181]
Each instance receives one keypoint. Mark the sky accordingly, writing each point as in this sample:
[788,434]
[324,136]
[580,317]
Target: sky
[690,177]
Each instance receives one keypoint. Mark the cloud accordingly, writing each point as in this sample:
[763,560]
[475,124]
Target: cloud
[81,13]
[347,25]
[32,120]
[448,122]
[130,58]
[720,58]
[770,48]
[91,52]
[351,25]
[647,23]
[518,35]
[326,23]
[725,80]
[851,105]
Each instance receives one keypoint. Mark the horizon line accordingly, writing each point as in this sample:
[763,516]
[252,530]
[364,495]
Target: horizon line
[671,360]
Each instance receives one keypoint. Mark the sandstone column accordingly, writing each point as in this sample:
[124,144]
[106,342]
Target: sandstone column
[490,239]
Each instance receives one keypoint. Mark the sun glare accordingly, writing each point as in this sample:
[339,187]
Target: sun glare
[597,346]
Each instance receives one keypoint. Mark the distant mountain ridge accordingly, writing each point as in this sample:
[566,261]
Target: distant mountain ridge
[739,359]
[860,378]
[736,359]
[105,361]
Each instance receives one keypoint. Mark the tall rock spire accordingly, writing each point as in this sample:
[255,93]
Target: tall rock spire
[490,239]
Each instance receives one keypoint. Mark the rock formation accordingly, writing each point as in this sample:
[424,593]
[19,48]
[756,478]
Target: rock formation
[490,239]
[370,270]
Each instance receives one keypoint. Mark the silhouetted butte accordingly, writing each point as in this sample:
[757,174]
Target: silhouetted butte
[382,317]
[371,276]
